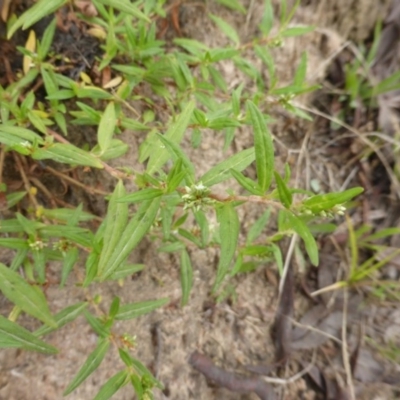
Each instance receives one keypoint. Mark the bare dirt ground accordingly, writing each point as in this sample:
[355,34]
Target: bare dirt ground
[235,334]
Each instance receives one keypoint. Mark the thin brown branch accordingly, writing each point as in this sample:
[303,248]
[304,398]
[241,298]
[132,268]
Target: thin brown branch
[75,182]
[25,179]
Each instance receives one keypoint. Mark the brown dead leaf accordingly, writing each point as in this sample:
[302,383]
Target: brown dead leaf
[86,7]
[318,326]
[367,368]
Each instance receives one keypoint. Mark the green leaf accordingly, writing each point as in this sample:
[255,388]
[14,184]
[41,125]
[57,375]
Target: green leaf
[35,13]
[68,154]
[29,298]
[134,310]
[276,251]
[233,4]
[202,220]
[91,364]
[321,202]
[62,318]
[264,147]
[145,373]
[171,247]
[125,270]
[16,134]
[137,386]
[236,96]
[114,307]
[97,325]
[70,259]
[175,176]
[175,133]
[304,232]
[229,234]
[125,357]
[131,236]
[107,125]
[246,183]
[115,222]
[285,194]
[267,19]
[258,226]
[301,71]
[268,60]
[141,195]
[177,154]
[91,268]
[91,92]
[297,31]
[14,243]
[112,386]
[13,335]
[227,29]
[222,171]
[186,277]
[116,149]
[47,40]
[125,6]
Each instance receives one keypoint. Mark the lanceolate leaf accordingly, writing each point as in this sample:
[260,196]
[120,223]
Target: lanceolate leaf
[227,29]
[116,219]
[13,335]
[175,134]
[67,154]
[229,234]
[36,13]
[304,232]
[134,310]
[186,276]
[91,364]
[29,298]
[125,6]
[70,259]
[284,193]
[221,172]
[177,154]
[246,183]
[106,127]
[62,318]
[132,235]
[322,202]
[115,383]
[263,145]
[144,194]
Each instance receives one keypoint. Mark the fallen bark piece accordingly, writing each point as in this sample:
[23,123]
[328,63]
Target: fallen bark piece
[229,380]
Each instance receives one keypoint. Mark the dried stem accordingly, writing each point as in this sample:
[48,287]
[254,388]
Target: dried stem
[229,380]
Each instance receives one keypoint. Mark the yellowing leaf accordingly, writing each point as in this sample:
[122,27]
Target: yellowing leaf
[113,83]
[31,46]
